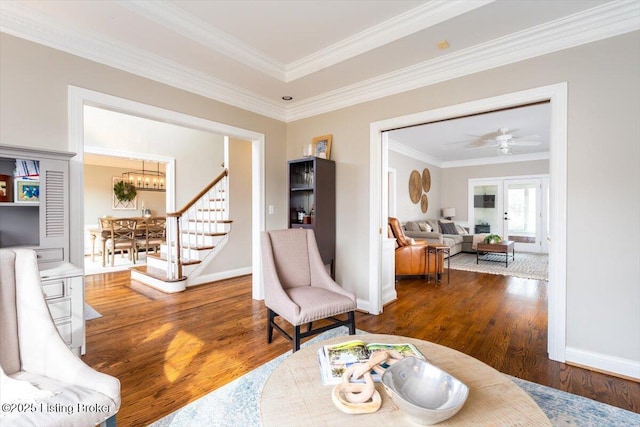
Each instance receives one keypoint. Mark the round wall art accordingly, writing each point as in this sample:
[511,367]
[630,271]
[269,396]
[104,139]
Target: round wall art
[424,203]
[415,186]
[426,180]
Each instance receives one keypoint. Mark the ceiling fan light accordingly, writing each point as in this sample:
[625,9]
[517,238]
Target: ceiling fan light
[504,151]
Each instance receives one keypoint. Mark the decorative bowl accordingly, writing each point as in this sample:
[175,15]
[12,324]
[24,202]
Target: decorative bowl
[425,394]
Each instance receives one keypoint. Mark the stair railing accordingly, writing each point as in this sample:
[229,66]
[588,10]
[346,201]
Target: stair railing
[202,216]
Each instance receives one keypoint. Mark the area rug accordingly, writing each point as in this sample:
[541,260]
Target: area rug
[120,264]
[90,313]
[526,265]
[237,403]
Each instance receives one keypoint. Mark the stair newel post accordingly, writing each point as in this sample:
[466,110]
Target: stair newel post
[178,248]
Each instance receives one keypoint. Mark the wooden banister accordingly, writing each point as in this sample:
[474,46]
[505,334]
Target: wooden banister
[197,197]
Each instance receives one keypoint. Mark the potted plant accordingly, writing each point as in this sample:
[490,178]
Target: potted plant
[493,238]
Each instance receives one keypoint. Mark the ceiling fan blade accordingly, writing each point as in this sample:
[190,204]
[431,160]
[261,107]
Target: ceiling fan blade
[526,137]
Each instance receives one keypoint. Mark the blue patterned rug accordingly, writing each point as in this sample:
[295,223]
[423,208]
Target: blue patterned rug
[236,403]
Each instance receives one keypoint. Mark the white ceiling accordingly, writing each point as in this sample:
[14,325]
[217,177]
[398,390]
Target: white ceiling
[325,54]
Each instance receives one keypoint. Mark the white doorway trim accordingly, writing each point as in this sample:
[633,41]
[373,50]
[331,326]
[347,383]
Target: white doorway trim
[557,294]
[79,97]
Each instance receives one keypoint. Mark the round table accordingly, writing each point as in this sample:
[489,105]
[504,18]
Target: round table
[294,394]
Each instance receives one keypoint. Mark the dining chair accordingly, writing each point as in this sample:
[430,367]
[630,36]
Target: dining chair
[155,234]
[122,236]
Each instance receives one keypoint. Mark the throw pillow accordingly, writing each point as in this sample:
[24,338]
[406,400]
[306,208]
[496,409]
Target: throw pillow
[461,229]
[424,227]
[411,241]
[448,228]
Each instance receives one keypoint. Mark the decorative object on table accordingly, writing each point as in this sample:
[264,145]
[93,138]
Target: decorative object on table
[322,146]
[415,186]
[426,180]
[449,213]
[146,179]
[26,190]
[6,185]
[493,238]
[335,359]
[426,394]
[307,150]
[125,195]
[424,203]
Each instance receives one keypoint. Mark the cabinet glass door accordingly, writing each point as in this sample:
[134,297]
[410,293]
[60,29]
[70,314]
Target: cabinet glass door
[523,213]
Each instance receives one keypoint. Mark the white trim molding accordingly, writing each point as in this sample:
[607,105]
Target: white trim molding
[557,95]
[603,21]
[604,362]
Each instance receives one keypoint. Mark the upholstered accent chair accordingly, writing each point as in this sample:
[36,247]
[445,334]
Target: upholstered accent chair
[38,371]
[298,288]
[410,254]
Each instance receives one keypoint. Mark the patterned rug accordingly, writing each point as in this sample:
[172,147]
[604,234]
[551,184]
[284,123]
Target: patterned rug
[237,403]
[526,265]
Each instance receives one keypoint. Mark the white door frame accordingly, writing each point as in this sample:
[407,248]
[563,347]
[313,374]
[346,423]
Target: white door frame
[557,293]
[79,97]
[525,247]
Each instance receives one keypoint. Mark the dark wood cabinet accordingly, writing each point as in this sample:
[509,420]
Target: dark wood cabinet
[312,202]
[482,228]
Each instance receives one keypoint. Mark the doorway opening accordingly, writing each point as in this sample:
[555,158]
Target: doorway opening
[79,97]
[557,96]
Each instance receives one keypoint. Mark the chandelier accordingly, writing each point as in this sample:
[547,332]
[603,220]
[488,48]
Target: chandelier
[146,179]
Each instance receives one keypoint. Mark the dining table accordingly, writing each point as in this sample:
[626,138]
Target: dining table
[104,233]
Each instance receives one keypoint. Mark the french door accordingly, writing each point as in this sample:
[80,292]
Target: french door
[514,208]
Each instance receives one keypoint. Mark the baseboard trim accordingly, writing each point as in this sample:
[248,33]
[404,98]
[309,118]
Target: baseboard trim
[221,275]
[625,368]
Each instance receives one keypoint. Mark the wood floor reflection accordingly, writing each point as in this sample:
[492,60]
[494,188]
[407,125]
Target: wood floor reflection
[170,349]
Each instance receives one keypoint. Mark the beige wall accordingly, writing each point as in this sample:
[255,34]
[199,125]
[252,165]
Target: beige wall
[603,296]
[406,210]
[455,181]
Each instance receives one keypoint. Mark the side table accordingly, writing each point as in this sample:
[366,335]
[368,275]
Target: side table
[439,251]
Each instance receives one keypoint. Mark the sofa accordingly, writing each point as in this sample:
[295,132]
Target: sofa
[456,237]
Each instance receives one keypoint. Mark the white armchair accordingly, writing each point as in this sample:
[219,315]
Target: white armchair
[43,383]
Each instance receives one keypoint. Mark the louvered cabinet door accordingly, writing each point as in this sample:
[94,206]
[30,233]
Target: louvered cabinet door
[54,212]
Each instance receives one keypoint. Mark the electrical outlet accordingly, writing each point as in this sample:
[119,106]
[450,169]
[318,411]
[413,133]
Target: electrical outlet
[270,209]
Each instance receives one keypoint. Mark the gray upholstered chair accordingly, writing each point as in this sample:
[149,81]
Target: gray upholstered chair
[43,383]
[298,288]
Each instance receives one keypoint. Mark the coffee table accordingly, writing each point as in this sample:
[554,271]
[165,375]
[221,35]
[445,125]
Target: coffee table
[294,394]
[497,248]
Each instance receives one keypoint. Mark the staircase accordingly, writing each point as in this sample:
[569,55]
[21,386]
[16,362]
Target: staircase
[195,235]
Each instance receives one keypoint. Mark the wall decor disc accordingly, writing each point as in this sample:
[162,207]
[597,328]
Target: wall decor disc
[424,203]
[426,180]
[415,186]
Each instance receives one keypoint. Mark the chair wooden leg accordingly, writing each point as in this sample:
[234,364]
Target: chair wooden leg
[296,338]
[352,323]
[270,317]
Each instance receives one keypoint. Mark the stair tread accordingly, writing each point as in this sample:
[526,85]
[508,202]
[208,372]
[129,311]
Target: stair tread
[156,273]
[218,233]
[222,221]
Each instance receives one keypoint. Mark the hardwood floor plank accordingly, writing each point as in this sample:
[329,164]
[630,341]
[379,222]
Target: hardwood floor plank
[170,349]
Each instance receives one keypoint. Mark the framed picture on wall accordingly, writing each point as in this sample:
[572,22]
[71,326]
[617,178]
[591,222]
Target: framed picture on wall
[322,146]
[6,188]
[26,190]
[126,203]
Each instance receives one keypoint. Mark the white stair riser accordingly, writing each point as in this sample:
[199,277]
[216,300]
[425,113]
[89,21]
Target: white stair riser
[195,239]
[186,253]
[210,216]
[162,265]
[207,227]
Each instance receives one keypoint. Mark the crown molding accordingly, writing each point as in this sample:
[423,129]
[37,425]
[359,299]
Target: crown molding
[497,160]
[405,24]
[26,23]
[176,19]
[413,153]
[600,22]
[607,20]
[419,155]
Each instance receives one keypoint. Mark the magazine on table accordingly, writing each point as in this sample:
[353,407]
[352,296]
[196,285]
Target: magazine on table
[335,359]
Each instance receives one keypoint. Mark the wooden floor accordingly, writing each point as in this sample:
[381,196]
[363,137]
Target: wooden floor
[169,350]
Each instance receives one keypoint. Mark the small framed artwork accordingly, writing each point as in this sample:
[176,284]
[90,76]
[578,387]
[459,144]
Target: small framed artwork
[322,146]
[6,187]
[26,190]
[127,200]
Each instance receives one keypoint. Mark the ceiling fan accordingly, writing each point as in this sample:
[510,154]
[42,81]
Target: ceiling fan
[503,142]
